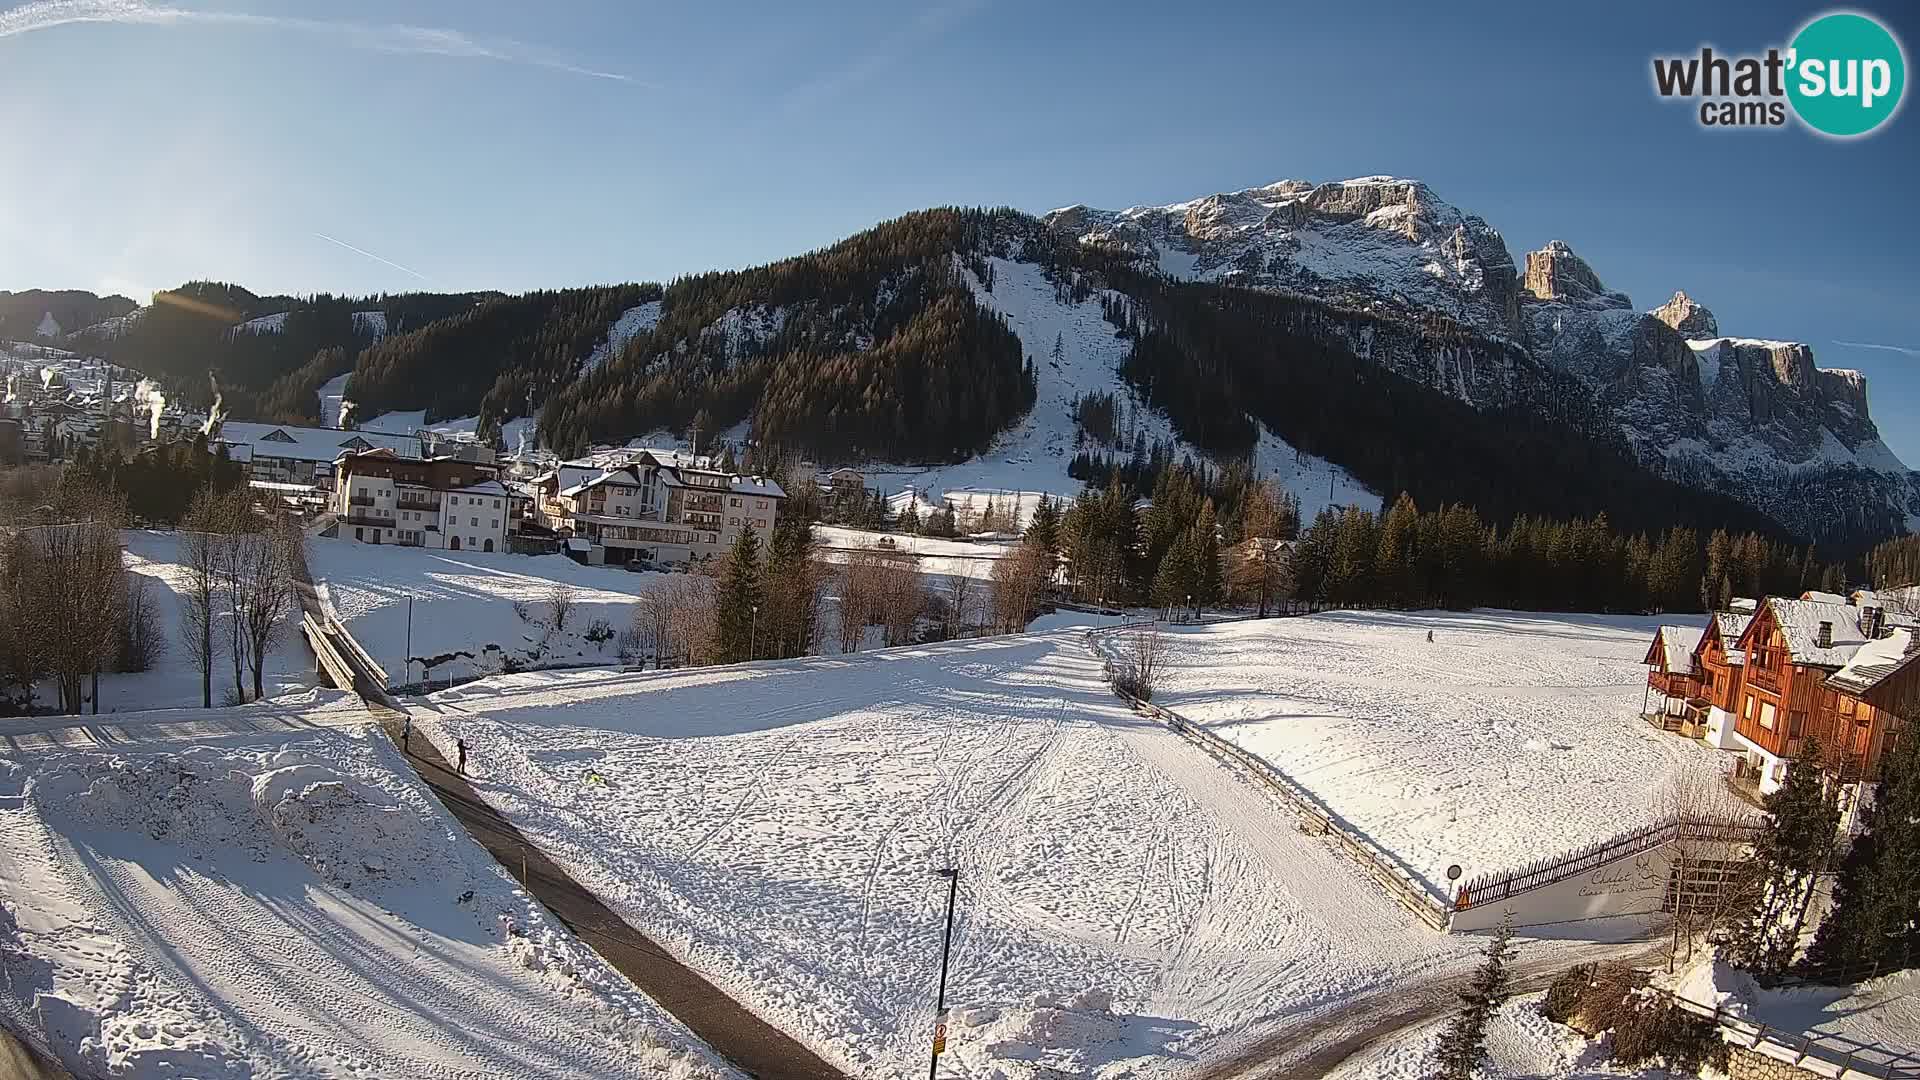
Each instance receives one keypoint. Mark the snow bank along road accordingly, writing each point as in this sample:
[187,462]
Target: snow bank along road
[1508,737]
[1127,906]
[209,901]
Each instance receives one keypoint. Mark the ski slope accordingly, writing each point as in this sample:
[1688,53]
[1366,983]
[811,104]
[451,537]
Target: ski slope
[287,902]
[1032,456]
[1124,902]
[1509,737]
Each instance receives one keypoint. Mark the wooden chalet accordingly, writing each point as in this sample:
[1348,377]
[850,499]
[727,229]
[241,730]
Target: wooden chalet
[1801,681]
[1720,668]
[1671,676]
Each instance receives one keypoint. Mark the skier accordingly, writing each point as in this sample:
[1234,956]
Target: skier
[406,735]
[460,747]
[1429,637]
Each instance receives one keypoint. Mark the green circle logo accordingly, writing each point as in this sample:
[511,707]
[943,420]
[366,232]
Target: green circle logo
[1847,74]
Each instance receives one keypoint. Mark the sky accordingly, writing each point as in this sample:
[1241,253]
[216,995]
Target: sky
[367,147]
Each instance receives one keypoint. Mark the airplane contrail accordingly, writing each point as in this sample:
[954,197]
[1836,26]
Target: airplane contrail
[375,258]
[1906,349]
[378,37]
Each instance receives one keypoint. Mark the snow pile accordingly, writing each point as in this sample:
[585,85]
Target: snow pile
[1048,1035]
[1507,738]
[632,323]
[290,904]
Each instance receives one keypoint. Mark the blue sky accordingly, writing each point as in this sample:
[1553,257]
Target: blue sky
[520,146]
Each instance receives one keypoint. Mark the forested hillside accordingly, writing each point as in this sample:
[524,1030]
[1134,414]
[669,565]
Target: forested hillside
[23,313]
[874,348]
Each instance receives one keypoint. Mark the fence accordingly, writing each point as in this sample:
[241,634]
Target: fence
[1494,888]
[1837,1055]
[1315,819]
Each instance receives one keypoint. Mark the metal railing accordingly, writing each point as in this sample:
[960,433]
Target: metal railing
[1844,1057]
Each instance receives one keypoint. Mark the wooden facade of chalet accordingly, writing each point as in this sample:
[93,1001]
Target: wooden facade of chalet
[1719,666]
[1664,675]
[1787,696]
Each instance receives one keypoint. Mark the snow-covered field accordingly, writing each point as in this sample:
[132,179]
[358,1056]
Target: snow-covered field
[174,682]
[463,602]
[948,558]
[1124,901]
[1509,737]
[287,903]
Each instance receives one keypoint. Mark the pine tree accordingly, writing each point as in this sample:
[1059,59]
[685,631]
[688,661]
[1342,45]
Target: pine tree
[1874,926]
[1394,563]
[1044,529]
[909,519]
[1205,549]
[1802,816]
[739,595]
[1178,575]
[791,591]
[1464,1043]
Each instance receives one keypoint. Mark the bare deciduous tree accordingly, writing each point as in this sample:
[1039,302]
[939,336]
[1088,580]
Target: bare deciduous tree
[1260,572]
[142,639]
[1019,581]
[1138,657]
[560,602]
[200,556]
[957,602]
[673,620]
[1713,885]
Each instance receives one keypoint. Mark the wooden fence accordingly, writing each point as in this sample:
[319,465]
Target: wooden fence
[1494,888]
[1314,818]
[1816,1052]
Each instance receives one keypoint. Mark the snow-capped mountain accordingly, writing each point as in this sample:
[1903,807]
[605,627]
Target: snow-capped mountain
[1754,419]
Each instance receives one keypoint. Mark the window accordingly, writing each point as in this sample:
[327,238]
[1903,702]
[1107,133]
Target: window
[496,523]
[1796,723]
[733,521]
[475,522]
[1766,716]
[496,504]
[733,502]
[759,504]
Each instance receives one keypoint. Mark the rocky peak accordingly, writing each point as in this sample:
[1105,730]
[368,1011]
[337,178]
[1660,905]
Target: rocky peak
[1693,322]
[1555,274]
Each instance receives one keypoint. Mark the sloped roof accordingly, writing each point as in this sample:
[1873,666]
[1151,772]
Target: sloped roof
[1799,622]
[1819,597]
[1732,624]
[312,444]
[1874,662]
[1676,645]
[1903,600]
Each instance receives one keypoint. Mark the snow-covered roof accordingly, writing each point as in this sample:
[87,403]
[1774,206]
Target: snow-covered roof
[1875,661]
[1799,622]
[312,444]
[484,487]
[1677,644]
[1823,597]
[1743,603]
[757,485]
[1730,625]
[1904,600]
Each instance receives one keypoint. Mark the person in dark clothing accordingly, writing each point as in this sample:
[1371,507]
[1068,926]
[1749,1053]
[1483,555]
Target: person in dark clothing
[460,747]
[406,735]
[1429,637]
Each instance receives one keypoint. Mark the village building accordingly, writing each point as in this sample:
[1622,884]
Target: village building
[382,497]
[1673,700]
[288,454]
[1805,677]
[1720,667]
[654,507]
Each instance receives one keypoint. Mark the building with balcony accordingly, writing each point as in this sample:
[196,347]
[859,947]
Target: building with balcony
[287,454]
[1817,669]
[657,507]
[381,497]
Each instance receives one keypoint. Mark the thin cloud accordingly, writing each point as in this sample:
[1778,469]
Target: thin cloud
[375,37]
[375,258]
[1905,350]
[890,50]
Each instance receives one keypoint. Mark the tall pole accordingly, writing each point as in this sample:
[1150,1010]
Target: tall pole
[753,634]
[409,657]
[946,950]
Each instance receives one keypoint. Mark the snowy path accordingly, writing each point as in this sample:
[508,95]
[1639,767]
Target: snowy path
[289,903]
[776,826]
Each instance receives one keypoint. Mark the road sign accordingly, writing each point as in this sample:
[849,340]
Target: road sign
[1453,872]
[939,1036]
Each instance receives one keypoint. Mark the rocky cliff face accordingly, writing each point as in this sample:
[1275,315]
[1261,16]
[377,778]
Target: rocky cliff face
[1378,243]
[1757,419]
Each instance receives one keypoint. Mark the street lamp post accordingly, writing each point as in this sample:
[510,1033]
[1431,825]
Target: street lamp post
[952,875]
[753,635]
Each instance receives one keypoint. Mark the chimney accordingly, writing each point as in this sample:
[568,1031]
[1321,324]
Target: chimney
[1825,638]
[1872,622]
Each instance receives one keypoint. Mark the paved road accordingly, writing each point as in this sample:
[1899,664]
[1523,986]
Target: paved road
[743,1038]
[1311,1050]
